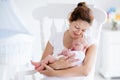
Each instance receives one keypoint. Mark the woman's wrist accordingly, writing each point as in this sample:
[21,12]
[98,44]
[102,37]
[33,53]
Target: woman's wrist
[57,73]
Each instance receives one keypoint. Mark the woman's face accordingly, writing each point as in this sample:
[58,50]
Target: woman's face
[77,28]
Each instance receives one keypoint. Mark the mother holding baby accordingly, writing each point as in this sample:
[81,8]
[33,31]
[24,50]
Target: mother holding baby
[80,20]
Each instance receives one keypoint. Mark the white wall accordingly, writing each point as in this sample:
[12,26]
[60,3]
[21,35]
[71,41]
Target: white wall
[105,4]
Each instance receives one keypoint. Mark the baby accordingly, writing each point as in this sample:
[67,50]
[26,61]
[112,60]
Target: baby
[78,48]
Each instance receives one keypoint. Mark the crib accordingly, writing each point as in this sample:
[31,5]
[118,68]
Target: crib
[15,40]
[16,44]
[15,48]
[15,53]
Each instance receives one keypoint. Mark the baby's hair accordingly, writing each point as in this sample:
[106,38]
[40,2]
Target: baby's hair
[81,12]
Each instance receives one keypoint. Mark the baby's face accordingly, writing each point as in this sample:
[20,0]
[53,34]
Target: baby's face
[77,45]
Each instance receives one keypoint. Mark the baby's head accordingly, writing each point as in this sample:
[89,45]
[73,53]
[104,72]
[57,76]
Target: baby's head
[79,44]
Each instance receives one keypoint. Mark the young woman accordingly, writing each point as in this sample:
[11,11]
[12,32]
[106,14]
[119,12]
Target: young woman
[80,20]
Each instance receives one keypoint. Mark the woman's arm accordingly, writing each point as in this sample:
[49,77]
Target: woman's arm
[48,50]
[83,70]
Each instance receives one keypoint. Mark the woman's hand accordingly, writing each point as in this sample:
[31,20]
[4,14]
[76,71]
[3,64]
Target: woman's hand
[48,71]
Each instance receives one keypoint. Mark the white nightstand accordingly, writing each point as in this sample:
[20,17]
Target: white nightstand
[110,53]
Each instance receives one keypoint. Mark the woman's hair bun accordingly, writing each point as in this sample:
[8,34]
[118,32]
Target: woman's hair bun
[81,4]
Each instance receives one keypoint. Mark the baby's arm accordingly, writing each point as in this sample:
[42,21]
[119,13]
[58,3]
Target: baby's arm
[65,52]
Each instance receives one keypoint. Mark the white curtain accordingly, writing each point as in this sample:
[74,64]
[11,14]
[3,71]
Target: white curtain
[9,22]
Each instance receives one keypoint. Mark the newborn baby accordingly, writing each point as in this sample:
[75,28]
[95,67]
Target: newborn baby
[78,48]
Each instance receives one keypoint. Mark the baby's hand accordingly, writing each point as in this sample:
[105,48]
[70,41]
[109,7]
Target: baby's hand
[64,52]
